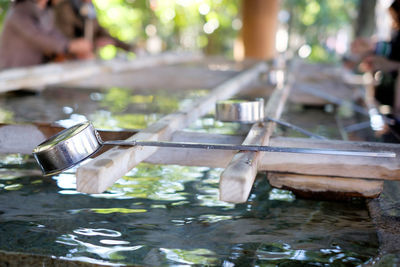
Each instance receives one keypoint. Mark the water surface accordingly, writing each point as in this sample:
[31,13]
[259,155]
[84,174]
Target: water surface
[170,215]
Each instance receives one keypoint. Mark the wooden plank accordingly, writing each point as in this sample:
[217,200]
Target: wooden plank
[37,77]
[14,138]
[343,166]
[306,164]
[318,91]
[102,172]
[238,177]
[319,84]
[309,186]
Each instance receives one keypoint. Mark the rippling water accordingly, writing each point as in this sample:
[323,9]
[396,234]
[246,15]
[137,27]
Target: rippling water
[171,215]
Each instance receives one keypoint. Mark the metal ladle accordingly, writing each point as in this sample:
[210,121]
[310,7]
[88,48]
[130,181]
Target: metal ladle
[252,111]
[73,145]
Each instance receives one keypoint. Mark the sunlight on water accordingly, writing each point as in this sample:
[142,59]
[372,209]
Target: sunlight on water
[12,159]
[66,182]
[159,182]
[97,232]
[117,210]
[72,120]
[120,108]
[111,252]
[275,253]
[8,177]
[209,124]
[13,187]
[279,194]
[211,218]
[113,242]
[198,256]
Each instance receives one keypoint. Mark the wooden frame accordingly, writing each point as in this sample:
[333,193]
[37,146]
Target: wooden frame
[102,172]
[315,174]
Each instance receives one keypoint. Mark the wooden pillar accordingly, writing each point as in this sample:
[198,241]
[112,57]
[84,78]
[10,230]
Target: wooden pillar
[260,19]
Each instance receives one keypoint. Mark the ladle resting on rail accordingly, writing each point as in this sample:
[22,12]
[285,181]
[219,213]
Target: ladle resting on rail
[73,145]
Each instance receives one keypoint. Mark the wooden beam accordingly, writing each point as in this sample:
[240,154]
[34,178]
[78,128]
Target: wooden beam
[343,166]
[99,174]
[37,77]
[308,186]
[237,179]
[301,164]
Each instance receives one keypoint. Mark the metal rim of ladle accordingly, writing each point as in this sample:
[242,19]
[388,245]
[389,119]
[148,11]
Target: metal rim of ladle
[67,148]
[239,110]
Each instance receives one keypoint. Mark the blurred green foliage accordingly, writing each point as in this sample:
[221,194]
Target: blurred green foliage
[170,24]
[316,20]
[213,25]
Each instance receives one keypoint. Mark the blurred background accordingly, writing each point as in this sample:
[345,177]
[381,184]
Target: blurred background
[317,30]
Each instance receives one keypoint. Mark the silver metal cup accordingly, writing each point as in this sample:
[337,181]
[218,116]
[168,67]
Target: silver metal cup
[67,148]
[243,111]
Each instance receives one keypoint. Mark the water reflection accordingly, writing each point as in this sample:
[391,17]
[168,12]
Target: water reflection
[171,215]
[97,232]
[279,194]
[117,210]
[276,253]
[212,218]
[114,108]
[208,124]
[189,257]
[109,252]
[12,159]
[157,182]
[13,187]
[114,242]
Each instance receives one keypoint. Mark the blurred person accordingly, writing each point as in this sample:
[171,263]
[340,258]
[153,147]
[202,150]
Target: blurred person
[363,47]
[29,36]
[77,19]
[384,57]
